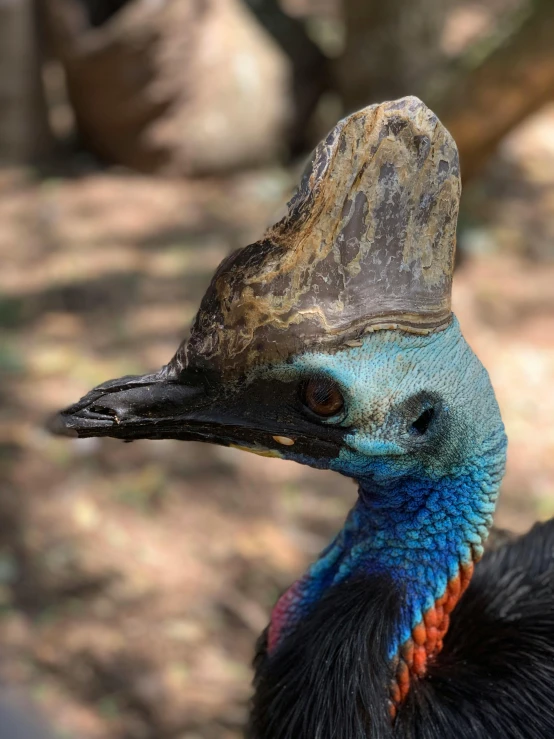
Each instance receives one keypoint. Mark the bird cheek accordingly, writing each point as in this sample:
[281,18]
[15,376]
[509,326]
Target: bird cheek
[371,446]
[368,457]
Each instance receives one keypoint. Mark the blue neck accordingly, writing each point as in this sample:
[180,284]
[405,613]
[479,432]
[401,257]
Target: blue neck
[417,530]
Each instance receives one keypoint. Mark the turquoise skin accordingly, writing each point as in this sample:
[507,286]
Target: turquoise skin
[425,501]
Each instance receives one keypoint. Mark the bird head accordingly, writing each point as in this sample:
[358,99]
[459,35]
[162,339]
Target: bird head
[331,341]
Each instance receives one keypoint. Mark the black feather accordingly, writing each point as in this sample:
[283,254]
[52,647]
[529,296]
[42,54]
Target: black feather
[494,678]
[330,678]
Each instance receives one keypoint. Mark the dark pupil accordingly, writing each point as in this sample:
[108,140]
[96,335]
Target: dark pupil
[323,398]
[421,424]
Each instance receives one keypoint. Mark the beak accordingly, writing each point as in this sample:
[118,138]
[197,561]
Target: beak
[155,406]
[192,406]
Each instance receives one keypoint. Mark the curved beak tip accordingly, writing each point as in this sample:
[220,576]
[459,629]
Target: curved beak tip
[135,407]
[57,425]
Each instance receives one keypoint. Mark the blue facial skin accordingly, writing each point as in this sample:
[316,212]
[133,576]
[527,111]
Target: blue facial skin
[425,501]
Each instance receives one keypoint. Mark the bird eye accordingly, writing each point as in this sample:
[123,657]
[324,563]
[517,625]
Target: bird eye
[421,424]
[322,396]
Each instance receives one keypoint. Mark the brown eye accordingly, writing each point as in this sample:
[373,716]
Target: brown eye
[322,396]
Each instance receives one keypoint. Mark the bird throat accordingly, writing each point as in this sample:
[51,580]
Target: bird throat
[424,536]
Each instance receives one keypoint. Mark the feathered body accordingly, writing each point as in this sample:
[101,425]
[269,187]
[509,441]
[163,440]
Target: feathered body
[494,677]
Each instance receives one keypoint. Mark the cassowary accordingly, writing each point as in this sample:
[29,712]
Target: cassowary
[332,342]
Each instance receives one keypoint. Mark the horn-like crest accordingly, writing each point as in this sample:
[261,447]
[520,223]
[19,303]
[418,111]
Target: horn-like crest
[367,244]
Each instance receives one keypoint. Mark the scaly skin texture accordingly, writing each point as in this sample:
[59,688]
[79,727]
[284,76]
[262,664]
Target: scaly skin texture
[425,503]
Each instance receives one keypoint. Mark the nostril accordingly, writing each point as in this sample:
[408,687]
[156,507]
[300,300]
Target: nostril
[421,424]
[101,410]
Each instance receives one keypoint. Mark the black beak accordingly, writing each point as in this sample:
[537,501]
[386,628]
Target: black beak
[156,406]
[192,405]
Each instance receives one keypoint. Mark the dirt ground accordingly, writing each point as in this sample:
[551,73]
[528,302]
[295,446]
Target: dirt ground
[135,578]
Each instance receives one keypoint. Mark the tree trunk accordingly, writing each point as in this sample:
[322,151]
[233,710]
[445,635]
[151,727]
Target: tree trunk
[392,49]
[310,68]
[24,132]
[516,79]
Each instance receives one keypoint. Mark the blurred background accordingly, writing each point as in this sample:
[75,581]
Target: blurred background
[140,142]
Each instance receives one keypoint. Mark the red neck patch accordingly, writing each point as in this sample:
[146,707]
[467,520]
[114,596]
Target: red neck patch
[427,637]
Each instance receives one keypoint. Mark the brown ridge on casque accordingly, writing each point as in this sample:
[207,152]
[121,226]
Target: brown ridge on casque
[367,244]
